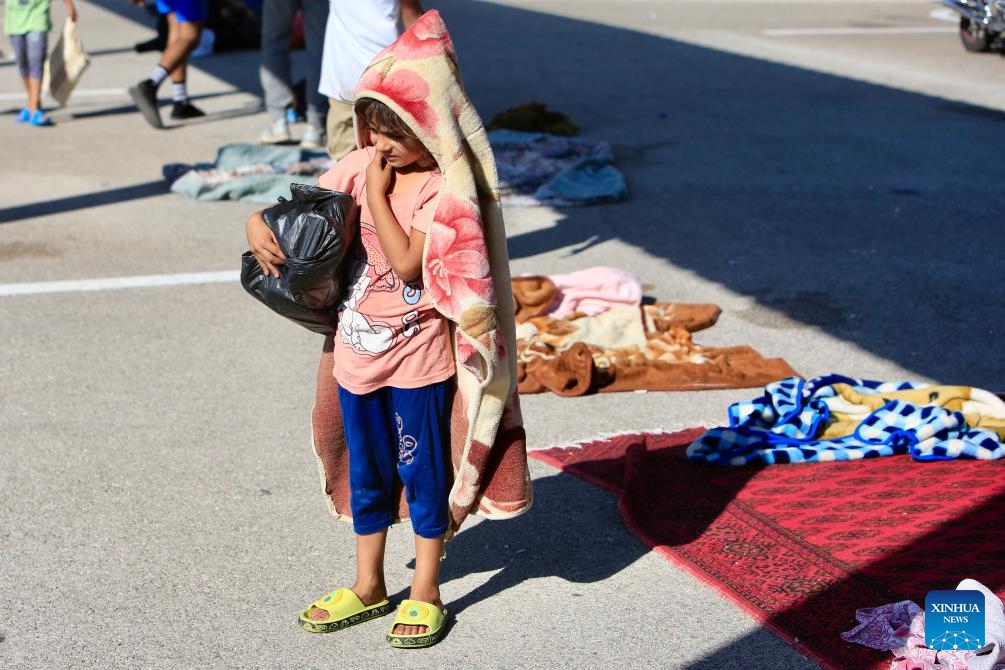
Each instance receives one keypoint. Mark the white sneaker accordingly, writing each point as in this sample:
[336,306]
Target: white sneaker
[277,132]
[312,139]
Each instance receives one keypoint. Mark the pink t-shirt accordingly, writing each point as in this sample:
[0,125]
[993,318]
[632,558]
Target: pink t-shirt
[389,333]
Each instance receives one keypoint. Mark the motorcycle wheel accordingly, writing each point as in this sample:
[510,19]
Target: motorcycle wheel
[973,38]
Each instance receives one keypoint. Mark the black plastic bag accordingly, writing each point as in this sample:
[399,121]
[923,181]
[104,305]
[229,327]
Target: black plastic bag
[314,232]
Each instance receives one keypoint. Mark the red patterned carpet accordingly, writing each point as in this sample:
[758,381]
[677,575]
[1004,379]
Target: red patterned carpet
[801,547]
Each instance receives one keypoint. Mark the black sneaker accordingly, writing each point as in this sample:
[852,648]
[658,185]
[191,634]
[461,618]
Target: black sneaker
[186,110]
[156,44]
[144,94]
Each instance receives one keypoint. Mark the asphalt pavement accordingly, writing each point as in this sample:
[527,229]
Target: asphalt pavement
[825,171]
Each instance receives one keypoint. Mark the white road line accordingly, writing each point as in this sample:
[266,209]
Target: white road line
[945,14]
[77,93]
[109,283]
[809,32]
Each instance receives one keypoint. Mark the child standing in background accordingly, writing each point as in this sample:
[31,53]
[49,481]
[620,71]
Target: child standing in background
[28,23]
[416,414]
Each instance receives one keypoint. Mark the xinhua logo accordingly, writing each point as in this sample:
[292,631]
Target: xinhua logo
[954,620]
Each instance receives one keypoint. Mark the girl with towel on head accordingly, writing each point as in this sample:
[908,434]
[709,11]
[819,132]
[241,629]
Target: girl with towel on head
[416,414]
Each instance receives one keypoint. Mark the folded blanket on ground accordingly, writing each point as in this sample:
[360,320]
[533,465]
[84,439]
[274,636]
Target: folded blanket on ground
[248,172]
[544,169]
[629,347]
[594,290]
[838,418]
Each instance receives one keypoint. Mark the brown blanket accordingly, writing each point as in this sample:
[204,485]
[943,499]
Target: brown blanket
[648,347]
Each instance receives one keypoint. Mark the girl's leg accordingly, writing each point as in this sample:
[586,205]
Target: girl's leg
[426,580]
[423,420]
[370,585]
[372,476]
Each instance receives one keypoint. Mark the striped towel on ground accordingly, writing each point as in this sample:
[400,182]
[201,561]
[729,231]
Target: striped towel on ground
[838,418]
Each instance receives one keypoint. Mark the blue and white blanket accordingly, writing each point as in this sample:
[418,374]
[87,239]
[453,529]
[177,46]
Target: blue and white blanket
[786,423]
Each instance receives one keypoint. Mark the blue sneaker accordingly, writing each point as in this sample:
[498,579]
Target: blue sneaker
[40,118]
[24,116]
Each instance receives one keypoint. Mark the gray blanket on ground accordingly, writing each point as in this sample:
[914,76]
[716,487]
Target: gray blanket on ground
[534,169]
[248,172]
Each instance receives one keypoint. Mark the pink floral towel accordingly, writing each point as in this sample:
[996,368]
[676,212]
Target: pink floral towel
[465,269]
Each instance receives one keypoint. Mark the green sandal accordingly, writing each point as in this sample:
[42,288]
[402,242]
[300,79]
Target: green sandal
[344,609]
[418,613]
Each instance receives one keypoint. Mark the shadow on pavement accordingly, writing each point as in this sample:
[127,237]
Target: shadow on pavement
[856,208]
[243,110]
[866,211]
[571,551]
[558,538]
[78,202]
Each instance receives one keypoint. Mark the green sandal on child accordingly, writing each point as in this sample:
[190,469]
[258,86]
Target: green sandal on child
[418,613]
[344,609]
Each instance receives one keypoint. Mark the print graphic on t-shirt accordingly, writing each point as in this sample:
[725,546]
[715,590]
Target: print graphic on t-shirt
[372,277]
[364,337]
[380,270]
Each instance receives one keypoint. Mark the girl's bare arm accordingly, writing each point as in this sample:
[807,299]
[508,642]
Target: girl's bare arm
[403,252]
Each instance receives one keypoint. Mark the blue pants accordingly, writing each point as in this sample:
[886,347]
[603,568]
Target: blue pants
[396,433]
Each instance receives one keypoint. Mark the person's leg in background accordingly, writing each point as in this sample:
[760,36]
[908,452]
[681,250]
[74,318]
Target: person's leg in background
[30,69]
[315,21]
[185,20]
[183,38]
[276,71]
[341,135]
[31,49]
[38,45]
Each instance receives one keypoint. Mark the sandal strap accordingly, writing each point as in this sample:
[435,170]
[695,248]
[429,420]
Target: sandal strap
[329,601]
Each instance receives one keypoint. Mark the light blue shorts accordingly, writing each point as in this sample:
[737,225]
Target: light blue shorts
[30,50]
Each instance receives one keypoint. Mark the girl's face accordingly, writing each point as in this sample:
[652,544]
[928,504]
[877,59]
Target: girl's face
[399,152]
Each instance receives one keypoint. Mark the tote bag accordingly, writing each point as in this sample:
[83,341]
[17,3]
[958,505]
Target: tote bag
[66,64]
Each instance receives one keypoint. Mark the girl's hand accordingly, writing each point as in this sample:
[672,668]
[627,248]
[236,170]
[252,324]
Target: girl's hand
[378,177]
[264,245]
[71,11]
